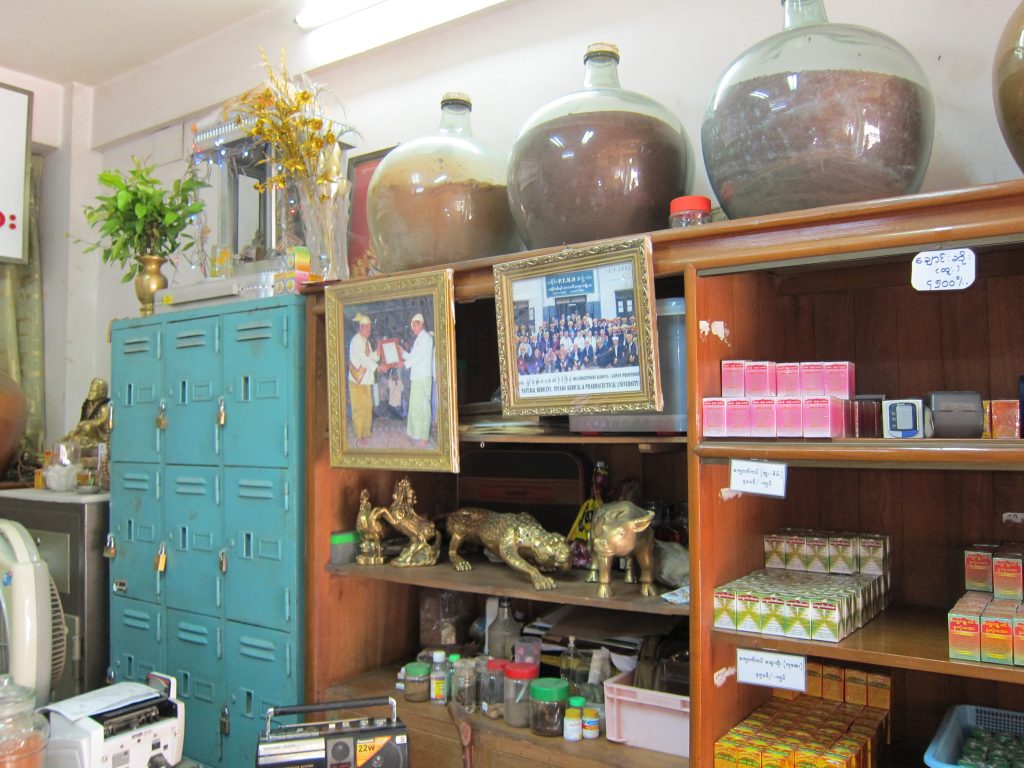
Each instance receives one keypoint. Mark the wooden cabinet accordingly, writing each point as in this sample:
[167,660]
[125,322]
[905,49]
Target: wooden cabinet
[834,284]
[830,283]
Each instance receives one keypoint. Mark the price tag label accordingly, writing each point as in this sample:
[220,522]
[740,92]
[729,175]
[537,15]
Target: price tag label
[943,270]
[764,478]
[774,670]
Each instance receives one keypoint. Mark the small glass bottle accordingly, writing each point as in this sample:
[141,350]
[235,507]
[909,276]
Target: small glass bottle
[517,693]
[452,658]
[569,665]
[547,705]
[464,684]
[439,678]
[417,681]
[504,631]
[689,211]
[492,688]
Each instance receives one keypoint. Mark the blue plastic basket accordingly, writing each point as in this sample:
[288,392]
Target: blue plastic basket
[944,751]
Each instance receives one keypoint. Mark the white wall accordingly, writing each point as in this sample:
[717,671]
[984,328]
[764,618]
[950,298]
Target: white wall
[515,56]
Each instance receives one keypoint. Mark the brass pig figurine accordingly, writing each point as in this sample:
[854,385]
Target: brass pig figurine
[621,529]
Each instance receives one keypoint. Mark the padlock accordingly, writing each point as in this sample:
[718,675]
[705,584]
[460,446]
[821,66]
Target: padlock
[222,416]
[222,558]
[161,416]
[110,548]
[160,561]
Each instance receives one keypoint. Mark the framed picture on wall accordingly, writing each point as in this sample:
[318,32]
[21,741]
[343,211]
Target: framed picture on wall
[361,259]
[391,373]
[576,331]
[15,156]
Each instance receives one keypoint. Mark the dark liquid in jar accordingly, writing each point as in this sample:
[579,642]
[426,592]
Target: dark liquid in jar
[790,141]
[595,175]
[416,226]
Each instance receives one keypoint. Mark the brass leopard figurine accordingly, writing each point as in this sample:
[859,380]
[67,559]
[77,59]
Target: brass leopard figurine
[510,536]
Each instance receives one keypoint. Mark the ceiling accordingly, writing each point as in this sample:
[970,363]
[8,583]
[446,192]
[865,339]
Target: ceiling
[92,41]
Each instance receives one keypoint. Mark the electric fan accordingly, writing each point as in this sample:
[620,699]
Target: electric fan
[33,641]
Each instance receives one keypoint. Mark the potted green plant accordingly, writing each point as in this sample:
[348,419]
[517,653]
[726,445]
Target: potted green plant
[142,222]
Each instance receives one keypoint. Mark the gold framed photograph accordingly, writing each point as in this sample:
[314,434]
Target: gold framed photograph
[391,373]
[576,331]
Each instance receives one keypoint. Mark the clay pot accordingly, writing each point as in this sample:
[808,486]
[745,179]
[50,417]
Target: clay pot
[13,418]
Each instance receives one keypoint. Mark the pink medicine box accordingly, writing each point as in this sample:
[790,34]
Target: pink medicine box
[824,417]
[789,417]
[737,417]
[762,417]
[714,417]
[759,378]
[732,378]
[812,379]
[787,379]
[839,380]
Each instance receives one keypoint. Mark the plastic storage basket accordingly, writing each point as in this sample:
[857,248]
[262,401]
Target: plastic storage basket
[944,751]
[648,719]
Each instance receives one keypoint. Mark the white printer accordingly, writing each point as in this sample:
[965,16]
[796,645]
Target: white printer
[125,725]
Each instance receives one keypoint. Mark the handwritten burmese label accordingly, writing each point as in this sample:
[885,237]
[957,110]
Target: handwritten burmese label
[774,670]
[943,270]
[765,478]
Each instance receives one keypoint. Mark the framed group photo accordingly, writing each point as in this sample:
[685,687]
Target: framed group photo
[576,331]
[391,373]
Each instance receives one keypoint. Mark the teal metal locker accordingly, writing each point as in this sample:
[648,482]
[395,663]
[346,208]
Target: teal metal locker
[135,394]
[207,514]
[140,648]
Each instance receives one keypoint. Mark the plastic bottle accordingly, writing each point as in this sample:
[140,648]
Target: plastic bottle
[452,658]
[572,725]
[689,211]
[591,723]
[439,678]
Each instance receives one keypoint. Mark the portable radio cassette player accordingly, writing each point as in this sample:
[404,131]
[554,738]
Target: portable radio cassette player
[363,742]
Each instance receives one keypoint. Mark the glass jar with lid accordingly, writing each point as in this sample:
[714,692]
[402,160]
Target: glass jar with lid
[517,693]
[492,688]
[595,163]
[464,684]
[817,114]
[23,732]
[548,697]
[441,198]
[417,681]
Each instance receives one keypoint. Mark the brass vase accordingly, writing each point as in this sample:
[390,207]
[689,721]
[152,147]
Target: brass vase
[148,281]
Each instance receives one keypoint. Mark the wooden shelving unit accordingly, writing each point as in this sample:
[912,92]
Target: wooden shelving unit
[821,284]
[834,284]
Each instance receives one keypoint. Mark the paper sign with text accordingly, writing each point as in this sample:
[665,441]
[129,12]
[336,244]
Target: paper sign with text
[943,270]
[765,478]
[773,670]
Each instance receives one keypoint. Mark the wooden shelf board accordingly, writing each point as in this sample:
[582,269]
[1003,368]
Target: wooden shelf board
[645,443]
[500,580]
[496,736]
[874,453]
[901,638]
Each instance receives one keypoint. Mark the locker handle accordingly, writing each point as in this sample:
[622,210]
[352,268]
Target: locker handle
[285,440]
[217,591]
[186,684]
[287,604]
[159,628]
[220,644]
[129,660]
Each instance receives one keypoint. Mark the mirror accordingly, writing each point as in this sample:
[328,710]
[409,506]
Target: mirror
[256,227]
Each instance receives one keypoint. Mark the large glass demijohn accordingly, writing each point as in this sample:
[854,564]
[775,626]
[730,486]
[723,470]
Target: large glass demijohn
[596,163]
[441,198]
[1008,85]
[815,115]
